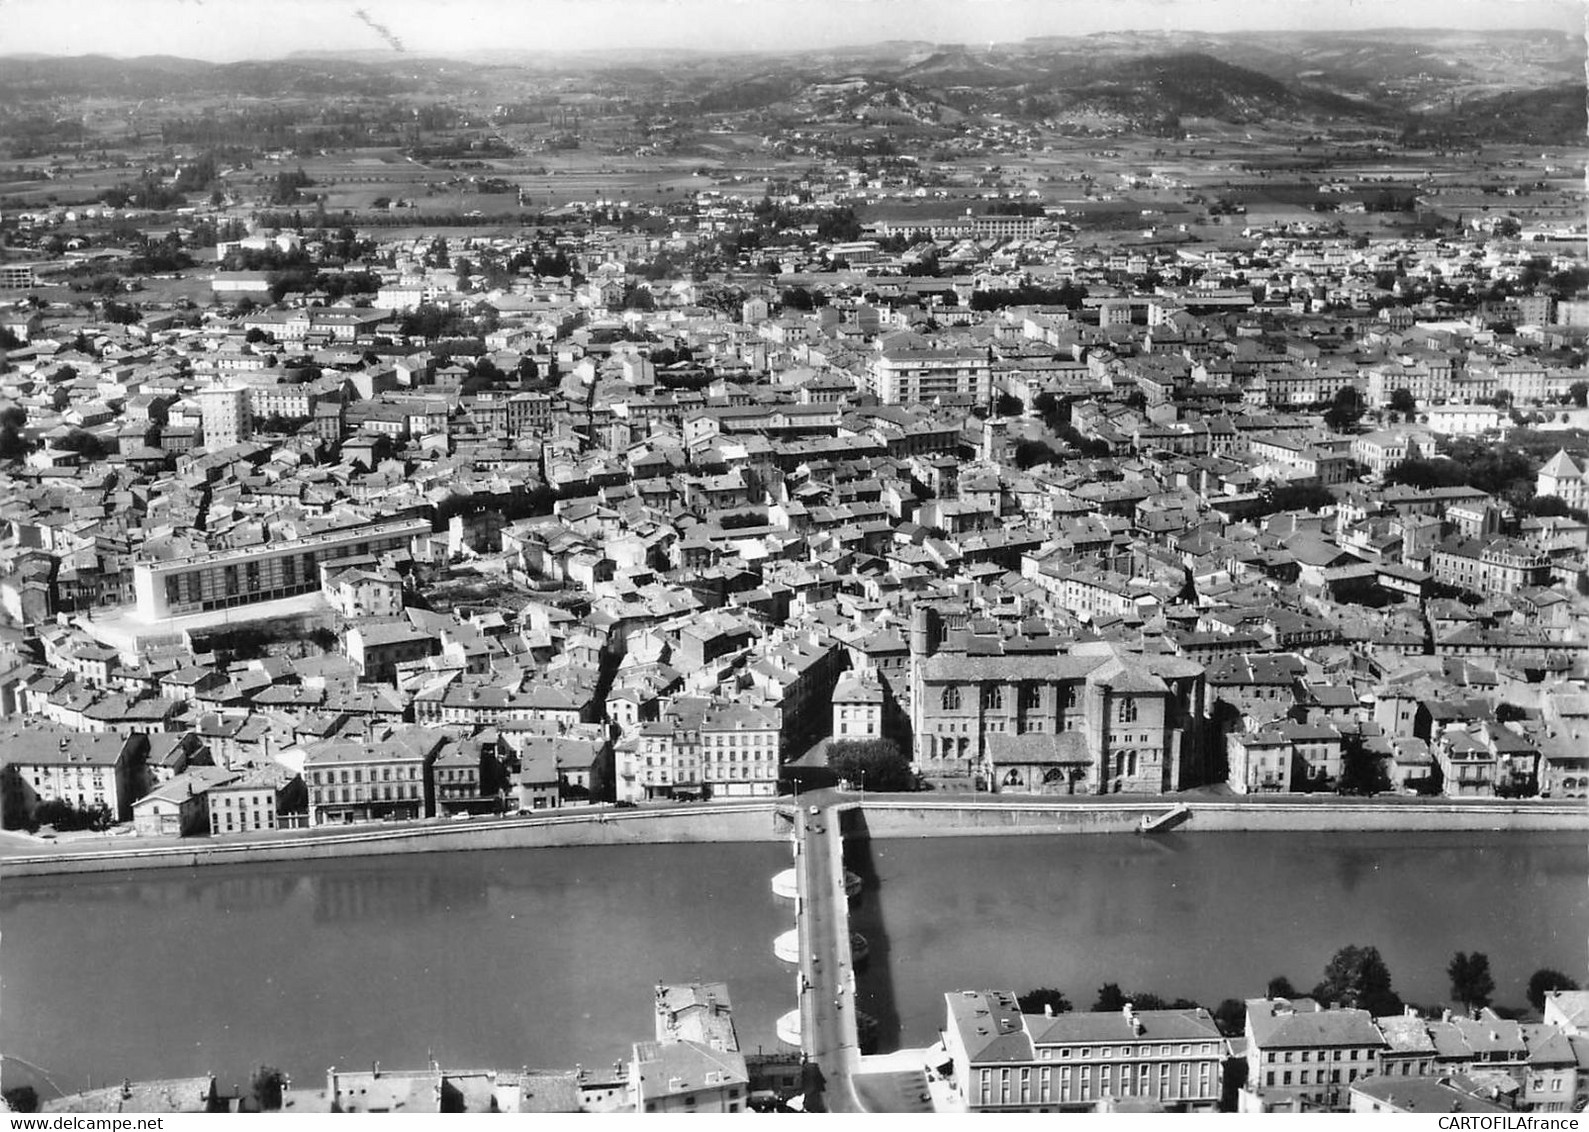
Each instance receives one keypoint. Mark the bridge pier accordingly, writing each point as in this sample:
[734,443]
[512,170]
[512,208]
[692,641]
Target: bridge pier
[787,946]
[788,1029]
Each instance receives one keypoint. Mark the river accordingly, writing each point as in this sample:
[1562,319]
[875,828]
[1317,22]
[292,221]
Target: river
[547,957]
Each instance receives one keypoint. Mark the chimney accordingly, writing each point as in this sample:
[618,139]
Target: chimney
[1445,1016]
[375,1069]
[126,1088]
[1048,1010]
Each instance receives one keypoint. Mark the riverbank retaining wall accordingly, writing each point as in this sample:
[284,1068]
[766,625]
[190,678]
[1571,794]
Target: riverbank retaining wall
[893,819]
[721,823]
[885,819]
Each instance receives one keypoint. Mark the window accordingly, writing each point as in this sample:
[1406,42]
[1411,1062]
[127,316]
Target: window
[1031,697]
[993,698]
[1128,710]
[951,698]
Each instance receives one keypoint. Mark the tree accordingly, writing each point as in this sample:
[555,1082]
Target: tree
[22,1098]
[284,190]
[1471,983]
[1036,1000]
[84,443]
[266,1088]
[13,445]
[65,817]
[1231,1017]
[1545,980]
[124,314]
[1030,453]
[1111,998]
[1007,406]
[1280,987]
[798,298]
[1300,497]
[1362,771]
[1578,393]
[1357,977]
[1403,402]
[1344,410]
[872,764]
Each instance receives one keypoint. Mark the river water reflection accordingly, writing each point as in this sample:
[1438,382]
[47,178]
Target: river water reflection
[548,956]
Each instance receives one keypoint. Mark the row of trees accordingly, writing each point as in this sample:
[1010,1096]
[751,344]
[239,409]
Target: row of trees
[1356,977]
[1502,471]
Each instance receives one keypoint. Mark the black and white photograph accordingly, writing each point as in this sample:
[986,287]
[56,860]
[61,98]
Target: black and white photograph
[753,556]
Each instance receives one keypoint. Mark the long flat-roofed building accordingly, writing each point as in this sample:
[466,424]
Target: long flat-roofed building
[913,376]
[225,579]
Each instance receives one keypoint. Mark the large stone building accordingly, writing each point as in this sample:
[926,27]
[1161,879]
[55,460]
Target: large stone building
[1007,1061]
[1497,566]
[1095,719]
[224,579]
[1565,479]
[1304,1057]
[386,778]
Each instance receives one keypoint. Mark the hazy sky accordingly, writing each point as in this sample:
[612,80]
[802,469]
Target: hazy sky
[239,29]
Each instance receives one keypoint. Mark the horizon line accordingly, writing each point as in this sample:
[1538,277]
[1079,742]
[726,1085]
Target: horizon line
[971,45]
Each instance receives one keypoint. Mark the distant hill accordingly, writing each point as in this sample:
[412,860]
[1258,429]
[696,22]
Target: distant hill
[1192,85]
[1553,116]
[160,76]
[1526,84]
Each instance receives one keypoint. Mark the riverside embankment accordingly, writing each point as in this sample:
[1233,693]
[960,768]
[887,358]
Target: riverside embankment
[887,817]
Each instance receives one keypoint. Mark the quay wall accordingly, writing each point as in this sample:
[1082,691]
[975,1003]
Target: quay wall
[895,819]
[885,818]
